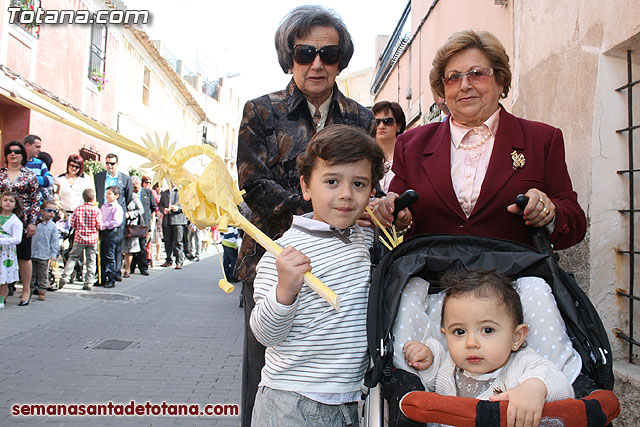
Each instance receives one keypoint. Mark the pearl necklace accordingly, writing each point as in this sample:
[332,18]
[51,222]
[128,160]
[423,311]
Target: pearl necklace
[477,144]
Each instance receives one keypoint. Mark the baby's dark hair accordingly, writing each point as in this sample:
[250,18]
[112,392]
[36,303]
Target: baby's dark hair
[483,284]
[340,144]
[17,210]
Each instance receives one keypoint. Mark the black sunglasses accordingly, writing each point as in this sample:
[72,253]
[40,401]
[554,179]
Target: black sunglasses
[14,151]
[305,54]
[387,121]
[111,163]
[53,211]
[73,165]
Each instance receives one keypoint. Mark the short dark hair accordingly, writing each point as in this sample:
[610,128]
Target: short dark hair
[89,195]
[18,144]
[483,284]
[31,139]
[46,158]
[111,156]
[76,158]
[18,209]
[114,189]
[396,112]
[340,144]
[298,23]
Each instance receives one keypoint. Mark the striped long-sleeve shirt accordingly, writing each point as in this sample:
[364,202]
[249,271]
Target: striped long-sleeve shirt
[310,346]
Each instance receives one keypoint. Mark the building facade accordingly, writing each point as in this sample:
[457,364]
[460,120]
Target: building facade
[574,64]
[110,73]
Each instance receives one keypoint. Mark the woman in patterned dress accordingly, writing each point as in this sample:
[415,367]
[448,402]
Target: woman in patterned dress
[16,178]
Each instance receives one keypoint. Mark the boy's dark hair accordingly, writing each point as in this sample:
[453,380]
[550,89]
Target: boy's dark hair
[340,144]
[18,209]
[49,203]
[114,189]
[46,158]
[89,195]
[483,284]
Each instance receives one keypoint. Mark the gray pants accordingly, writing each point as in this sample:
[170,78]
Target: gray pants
[75,256]
[40,274]
[193,239]
[278,408]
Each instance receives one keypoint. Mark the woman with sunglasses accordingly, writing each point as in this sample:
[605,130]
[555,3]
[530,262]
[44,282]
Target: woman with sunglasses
[16,178]
[71,184]
[313,45]
[390,122]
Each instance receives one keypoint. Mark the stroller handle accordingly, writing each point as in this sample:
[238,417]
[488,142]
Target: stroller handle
[405,199]
[539,236]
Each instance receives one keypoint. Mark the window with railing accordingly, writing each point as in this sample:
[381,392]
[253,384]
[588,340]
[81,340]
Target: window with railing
[89,154]
[27,15]
[97,55]
[630,294]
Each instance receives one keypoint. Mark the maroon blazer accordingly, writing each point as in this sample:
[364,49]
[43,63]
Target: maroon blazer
[422,161]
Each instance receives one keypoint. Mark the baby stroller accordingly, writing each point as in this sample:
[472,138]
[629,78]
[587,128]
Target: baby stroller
[428,257]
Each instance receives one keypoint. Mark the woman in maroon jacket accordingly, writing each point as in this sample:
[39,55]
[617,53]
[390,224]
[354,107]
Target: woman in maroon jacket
[469,169]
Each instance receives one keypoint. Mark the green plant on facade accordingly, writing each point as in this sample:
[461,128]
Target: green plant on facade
[135,172]
[98,78]
[92,167]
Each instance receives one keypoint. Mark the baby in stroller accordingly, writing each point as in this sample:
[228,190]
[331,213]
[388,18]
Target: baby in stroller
[488,358]
[405,304]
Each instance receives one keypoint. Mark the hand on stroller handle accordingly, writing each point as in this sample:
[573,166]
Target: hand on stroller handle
[537,211]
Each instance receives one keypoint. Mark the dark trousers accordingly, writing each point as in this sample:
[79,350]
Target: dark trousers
[109,240]
[252,359]
[179,235]
[167,235]
[229,256]
[118,254]
[140,258]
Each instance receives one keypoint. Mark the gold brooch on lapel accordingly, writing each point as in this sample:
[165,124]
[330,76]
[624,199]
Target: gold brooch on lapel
[518,160]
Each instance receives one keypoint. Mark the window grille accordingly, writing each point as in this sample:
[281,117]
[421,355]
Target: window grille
[97,52]
[629,293]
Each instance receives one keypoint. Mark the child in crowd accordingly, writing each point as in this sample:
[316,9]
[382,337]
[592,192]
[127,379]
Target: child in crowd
[230,252]
[45,247]
[316,356]
[10,237]
[483,323]
[112,219]
[87,222]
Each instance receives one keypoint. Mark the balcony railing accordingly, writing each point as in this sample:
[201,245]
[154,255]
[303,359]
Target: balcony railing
[392,51]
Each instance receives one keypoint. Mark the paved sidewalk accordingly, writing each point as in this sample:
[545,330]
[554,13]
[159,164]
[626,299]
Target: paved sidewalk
[186,347]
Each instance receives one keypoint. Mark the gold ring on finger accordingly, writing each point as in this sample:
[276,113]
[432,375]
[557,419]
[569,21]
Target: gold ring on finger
[542,201]
[546,211]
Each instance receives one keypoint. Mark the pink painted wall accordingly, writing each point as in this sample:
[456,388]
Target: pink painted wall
[447,17]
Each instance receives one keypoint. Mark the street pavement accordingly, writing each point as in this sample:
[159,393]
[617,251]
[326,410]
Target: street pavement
[184,345]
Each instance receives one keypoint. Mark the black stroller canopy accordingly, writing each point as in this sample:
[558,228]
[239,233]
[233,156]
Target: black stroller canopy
[429,256]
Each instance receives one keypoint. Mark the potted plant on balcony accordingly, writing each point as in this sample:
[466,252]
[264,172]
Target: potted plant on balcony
[98,78]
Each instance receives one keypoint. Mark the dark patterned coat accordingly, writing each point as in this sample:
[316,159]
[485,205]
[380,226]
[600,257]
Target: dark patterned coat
[275,129]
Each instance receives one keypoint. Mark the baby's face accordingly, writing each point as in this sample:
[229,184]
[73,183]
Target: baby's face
[480,333]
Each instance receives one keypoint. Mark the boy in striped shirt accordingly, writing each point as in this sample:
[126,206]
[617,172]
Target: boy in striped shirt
[316,356]
[86,221]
